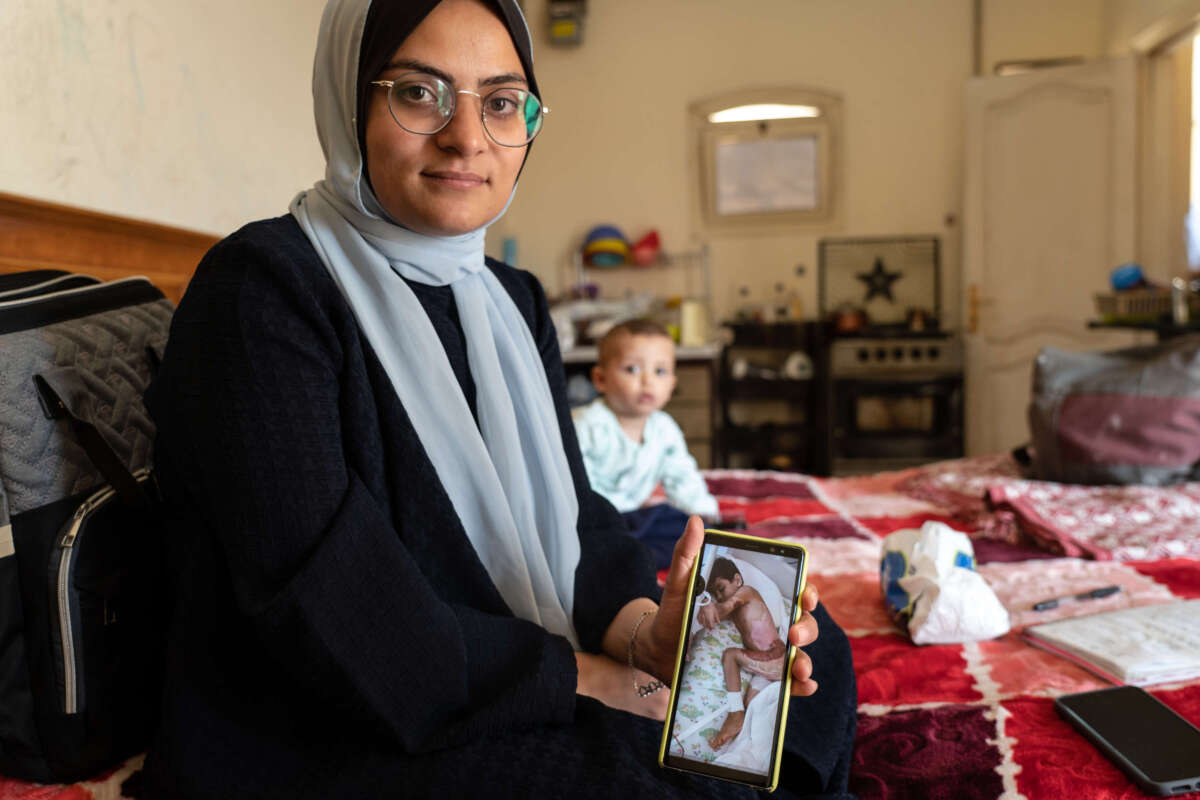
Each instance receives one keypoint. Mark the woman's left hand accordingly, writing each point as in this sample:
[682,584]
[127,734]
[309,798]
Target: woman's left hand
[662,639]
[804,632]
[612,683]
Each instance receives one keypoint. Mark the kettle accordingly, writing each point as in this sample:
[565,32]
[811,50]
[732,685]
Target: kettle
[849,319]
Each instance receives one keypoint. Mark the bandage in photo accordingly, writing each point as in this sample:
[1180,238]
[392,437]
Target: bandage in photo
[734,702]
[759,682]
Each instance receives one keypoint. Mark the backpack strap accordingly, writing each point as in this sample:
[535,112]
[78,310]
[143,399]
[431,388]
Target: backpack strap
[97,448]
[1023,456]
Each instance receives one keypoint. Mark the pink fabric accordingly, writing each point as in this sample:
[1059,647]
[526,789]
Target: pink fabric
[959,488]
[987,497]
[1129,429]
[1105,522]
[1019,585]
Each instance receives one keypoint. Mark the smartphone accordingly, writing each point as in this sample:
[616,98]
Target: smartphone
[732,678]
[1153,745]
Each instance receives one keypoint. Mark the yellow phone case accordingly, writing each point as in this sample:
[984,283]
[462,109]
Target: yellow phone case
[683,637]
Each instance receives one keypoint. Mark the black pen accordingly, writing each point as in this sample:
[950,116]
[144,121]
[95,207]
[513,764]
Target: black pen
[1094,594]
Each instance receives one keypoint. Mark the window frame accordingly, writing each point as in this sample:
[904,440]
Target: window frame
[710,136]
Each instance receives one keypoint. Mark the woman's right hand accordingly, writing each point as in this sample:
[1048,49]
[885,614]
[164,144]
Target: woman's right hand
[611,682]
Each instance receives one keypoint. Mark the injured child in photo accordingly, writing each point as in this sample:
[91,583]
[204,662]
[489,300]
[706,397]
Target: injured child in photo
[729,693]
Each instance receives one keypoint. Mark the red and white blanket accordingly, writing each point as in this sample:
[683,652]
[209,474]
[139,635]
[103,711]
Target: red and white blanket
[977,720]
[954,721]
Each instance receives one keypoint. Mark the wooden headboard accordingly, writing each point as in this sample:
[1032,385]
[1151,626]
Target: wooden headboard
[35,234]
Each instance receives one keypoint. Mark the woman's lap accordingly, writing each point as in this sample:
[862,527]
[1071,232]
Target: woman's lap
[605,753]
[608,753]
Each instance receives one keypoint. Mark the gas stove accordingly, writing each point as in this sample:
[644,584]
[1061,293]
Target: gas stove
[906,356]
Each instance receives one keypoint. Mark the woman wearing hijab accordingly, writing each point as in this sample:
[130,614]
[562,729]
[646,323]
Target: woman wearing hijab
[392,577]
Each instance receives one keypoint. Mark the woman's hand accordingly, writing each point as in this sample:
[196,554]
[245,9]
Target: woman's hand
[802,633]
[659,641]
[611,682]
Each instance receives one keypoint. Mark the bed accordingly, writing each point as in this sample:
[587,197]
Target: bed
[37,235]
[952,721]
[976,720]
[945,721]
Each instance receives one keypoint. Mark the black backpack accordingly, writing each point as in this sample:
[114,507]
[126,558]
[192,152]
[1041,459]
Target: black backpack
[83,602]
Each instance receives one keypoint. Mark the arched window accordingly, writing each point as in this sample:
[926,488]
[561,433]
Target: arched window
[767,157]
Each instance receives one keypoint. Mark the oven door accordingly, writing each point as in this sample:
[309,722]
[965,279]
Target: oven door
[895,422]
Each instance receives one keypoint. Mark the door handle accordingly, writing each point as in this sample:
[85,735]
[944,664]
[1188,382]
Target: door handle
[974,301]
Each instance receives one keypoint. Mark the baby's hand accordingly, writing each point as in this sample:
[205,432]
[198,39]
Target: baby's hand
[707,616]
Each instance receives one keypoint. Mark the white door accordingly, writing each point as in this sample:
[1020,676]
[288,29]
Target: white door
[1049,212]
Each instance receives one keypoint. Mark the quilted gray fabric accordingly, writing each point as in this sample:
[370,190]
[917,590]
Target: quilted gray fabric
[39,459]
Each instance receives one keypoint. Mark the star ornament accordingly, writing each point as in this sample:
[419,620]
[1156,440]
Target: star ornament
[879,281]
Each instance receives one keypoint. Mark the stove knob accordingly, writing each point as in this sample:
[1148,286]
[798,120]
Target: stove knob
[863,354]
[880,354]
[916,353]
[934,352]
[898,353]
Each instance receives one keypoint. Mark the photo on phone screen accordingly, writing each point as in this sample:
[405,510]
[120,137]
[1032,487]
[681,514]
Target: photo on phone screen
[726,713]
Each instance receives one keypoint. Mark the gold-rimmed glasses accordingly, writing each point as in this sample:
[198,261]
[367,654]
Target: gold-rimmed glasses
[424,104]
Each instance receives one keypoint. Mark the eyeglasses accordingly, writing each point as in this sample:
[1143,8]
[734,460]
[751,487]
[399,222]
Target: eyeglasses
[424,104]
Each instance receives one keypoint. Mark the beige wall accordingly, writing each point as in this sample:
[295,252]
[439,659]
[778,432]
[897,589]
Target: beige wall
[617,146]
[1125,19]
[192,115]
[1159,29]
[1016,30]
[195,114]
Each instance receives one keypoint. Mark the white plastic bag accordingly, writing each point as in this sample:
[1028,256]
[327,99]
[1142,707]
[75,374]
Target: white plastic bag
[930,585]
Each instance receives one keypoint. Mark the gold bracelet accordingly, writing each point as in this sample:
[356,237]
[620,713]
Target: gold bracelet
[654,685]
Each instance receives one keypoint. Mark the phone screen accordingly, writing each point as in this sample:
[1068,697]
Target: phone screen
[1137,730]
[727,711]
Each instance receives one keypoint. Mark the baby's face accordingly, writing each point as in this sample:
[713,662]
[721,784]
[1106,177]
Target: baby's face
[639,378]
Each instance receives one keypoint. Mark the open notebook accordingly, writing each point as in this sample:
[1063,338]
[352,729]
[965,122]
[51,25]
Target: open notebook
[1140,646]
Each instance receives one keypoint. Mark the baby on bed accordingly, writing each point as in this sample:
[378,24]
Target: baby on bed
[630,445]
[763,653]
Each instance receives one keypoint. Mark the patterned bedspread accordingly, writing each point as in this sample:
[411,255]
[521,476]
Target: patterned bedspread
[953,721]
[977,720]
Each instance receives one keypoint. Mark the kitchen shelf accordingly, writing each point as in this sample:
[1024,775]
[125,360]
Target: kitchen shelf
[770,445]
[757,388]
[773,423]
[784,335]
[765,434]
[684,274]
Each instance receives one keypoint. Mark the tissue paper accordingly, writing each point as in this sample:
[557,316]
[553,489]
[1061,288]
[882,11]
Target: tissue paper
[930,585]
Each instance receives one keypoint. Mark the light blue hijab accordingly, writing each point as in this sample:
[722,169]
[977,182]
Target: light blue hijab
[507,478]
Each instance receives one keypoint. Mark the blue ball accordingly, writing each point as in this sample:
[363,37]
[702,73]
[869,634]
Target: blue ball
[1127,276]
[605,232]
